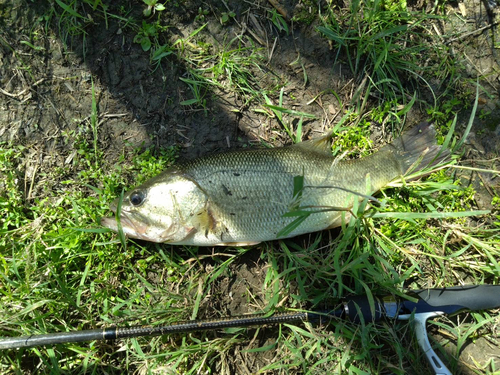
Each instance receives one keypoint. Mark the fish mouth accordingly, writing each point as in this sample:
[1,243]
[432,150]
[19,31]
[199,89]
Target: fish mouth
[131,228]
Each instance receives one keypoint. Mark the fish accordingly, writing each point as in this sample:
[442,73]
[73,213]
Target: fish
[239,198]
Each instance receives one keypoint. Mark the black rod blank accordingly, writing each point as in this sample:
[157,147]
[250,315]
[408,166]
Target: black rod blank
[357,308]
[114,333]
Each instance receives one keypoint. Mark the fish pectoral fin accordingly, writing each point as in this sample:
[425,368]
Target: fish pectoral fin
[205,220]
[322,145]
[249,243]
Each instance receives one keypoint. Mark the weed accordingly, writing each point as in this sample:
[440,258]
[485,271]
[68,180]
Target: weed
[234,68]
[71,22]
[307,13]
[55,235]
[160,53]
[386,46]
[278,21]
[152,6]
[280,112]
[11,198]
[353,140]
[202,13]
[226,16]
[73,17]
[60,271]
[229,68]
[148,35]
[394,6]
[198,85]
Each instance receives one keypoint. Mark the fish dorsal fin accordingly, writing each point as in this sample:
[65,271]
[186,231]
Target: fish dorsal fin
[322,145]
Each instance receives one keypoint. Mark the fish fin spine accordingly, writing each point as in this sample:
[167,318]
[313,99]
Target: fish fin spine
[322,145]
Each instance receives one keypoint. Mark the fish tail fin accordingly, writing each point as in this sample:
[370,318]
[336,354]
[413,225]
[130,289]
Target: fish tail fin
[417,148]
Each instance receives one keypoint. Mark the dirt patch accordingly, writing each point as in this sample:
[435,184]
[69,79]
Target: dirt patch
[138,105]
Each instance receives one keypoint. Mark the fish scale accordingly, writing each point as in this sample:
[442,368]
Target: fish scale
[257,213]
[240,197]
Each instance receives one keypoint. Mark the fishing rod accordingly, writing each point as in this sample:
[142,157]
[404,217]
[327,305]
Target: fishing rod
[422,305]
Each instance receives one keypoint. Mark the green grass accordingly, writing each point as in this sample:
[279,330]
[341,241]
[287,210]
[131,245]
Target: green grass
[385,45]
[60,271]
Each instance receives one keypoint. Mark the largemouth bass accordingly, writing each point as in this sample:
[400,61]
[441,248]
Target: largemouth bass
[240,197]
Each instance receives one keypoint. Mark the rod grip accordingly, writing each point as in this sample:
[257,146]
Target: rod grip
[359,306]
[454,299]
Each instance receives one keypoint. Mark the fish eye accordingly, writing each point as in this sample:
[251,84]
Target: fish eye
[137,198]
